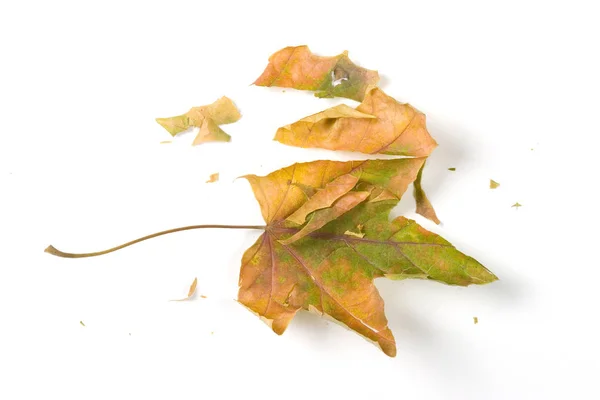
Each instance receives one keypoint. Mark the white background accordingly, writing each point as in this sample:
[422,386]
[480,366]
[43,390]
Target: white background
[510,91]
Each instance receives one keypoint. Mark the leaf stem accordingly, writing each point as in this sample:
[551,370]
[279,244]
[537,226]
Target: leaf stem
[54,251]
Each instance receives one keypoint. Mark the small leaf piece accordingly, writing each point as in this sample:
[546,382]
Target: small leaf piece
[213,178]
[298,68]
[516,205]
[493,184]
[424,207]
[452,169]
[379,124]
[207,118]
[306,259]
[191,291]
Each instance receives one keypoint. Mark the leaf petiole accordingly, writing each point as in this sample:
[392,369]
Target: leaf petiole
[54,251]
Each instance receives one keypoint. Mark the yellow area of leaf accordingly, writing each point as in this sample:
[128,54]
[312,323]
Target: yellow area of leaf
[213,178]
[207,118]
[355,234]
[298,68]
[191,291]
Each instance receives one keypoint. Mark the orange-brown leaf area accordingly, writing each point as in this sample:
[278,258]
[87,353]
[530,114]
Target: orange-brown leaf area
[207,118]
[298,68]
[380,124]
[307,260]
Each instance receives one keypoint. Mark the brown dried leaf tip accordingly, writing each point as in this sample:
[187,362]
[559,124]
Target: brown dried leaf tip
[191,291]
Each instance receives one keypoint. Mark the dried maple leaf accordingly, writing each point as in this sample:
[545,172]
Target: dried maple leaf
[306,260]
[298,68]
[207,118]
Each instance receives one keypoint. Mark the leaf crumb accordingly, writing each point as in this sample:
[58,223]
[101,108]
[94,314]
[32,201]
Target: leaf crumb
[81,322]
[517,205]
[166,142]
[213,178]
[452,169]
[191,291]
[493,184]
[475,320]
[203,296]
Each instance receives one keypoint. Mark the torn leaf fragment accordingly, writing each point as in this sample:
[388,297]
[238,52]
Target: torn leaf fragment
[208,118]
[298,68]
[213,178]
[191,291]
[380,124]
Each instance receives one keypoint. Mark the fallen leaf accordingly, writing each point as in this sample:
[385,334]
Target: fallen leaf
[213,178]
[191,291]
[81,322]
[380,124]
[298,68]
[493,184]
[328,271]
[452,169]
[517,205]
[475,320]
[424,206]
[207,118]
